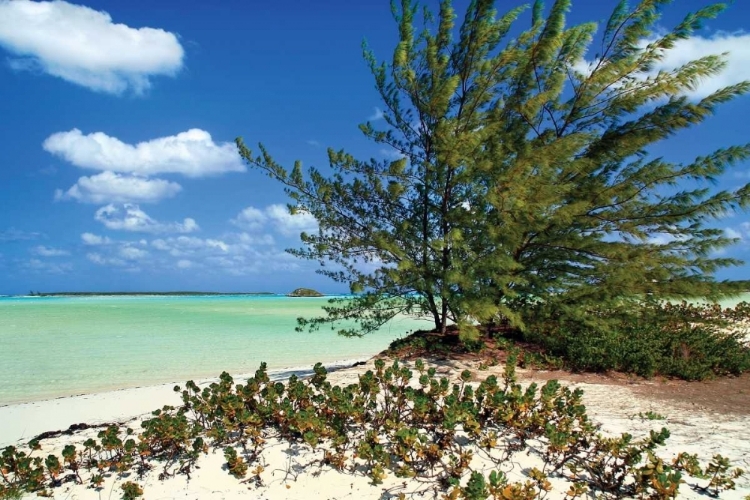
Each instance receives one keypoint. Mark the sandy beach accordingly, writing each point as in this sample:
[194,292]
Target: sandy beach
[295,473]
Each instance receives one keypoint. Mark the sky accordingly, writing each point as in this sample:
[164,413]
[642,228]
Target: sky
[117,121]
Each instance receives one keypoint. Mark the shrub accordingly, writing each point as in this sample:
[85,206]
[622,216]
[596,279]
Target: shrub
[131,491]
[692,342]
[389,423]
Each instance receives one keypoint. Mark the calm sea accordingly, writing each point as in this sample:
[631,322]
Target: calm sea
[60,346]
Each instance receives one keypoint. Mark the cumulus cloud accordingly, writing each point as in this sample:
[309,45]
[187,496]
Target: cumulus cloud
[85,47]
[132,253]
[125,255]
[109,187]
[94,239]
[234,253]
[192,153]
[44,251]
[291,224]
[130,217]
[127,170]
[181,246]
[250,218]
[735,48]
[278,217]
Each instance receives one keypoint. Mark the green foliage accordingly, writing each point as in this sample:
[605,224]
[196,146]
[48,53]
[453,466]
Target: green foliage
[692,342]
[235,464]
[396,420]
[651,415]
[721,476]
[131,491]
[527,175]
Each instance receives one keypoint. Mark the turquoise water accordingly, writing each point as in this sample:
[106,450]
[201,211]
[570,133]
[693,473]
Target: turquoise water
[60,346]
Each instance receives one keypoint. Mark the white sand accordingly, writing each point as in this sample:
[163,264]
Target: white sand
[285,473]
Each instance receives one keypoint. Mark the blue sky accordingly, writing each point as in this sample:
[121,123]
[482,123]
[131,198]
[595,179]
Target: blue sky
[119,171]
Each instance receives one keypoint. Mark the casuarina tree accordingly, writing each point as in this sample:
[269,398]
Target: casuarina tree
[524,176]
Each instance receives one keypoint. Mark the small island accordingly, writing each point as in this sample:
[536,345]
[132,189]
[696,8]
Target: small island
[304,292]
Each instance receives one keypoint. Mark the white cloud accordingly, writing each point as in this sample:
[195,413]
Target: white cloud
[109,187]
[254,262]
[44,251]
[83,46]
[662,239]
[732,233]
[313,143]
[392,154]
[192,153]
[256,240]
[132,253]
[738,59]
[94,240]
[235,253]
[190,245]
[124,255]
[250,218]
[291,225]
[277,217]
[377,115]
[131,218]
[734,46]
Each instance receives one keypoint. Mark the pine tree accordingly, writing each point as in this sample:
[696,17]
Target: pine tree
[525,177]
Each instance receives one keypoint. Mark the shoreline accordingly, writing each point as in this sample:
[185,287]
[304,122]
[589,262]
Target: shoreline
[200,380]
[25,420]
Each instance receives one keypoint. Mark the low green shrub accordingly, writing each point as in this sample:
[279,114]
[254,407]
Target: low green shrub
[131,491]
[388,423]
[691,342]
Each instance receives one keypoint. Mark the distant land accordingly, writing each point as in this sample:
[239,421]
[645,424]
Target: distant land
[304,292]
[93,294]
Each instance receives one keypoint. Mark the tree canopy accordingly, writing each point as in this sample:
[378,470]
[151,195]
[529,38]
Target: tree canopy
[525,178]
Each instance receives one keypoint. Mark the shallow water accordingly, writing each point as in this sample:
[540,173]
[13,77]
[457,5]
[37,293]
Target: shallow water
[60,346]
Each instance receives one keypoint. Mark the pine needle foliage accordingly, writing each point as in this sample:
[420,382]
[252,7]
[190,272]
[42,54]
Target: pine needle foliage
[525,176]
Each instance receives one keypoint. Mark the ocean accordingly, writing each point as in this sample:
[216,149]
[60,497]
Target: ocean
[61,346]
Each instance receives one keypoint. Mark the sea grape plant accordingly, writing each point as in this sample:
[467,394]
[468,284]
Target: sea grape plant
[396,420]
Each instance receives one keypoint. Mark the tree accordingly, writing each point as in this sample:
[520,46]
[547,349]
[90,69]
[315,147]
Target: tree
[525,178]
